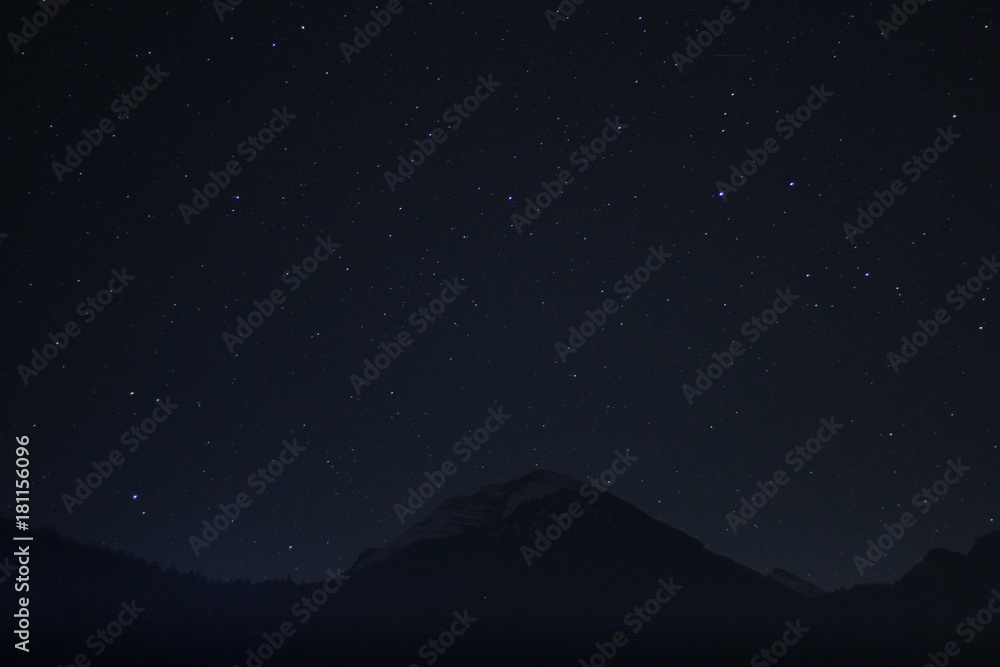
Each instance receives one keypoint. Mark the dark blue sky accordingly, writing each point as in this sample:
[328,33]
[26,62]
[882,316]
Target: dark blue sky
[296,142]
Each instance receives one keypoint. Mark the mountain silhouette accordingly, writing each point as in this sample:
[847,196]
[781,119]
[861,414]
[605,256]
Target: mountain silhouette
[540,570]
[789,580]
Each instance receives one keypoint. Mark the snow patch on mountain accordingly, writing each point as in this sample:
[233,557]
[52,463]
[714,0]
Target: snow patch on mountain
[461,514]
[537,487]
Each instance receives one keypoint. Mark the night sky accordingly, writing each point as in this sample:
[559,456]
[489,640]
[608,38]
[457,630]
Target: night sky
[643,141]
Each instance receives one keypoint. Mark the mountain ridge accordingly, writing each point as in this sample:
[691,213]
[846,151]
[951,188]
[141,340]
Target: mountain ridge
[603,573]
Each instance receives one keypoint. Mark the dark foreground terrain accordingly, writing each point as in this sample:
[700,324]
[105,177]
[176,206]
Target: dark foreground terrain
[456,589]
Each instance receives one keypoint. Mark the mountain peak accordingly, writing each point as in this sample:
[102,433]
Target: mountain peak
[460,514]
[535,485]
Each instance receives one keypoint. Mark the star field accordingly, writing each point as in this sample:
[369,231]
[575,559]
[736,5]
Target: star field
[494,345]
